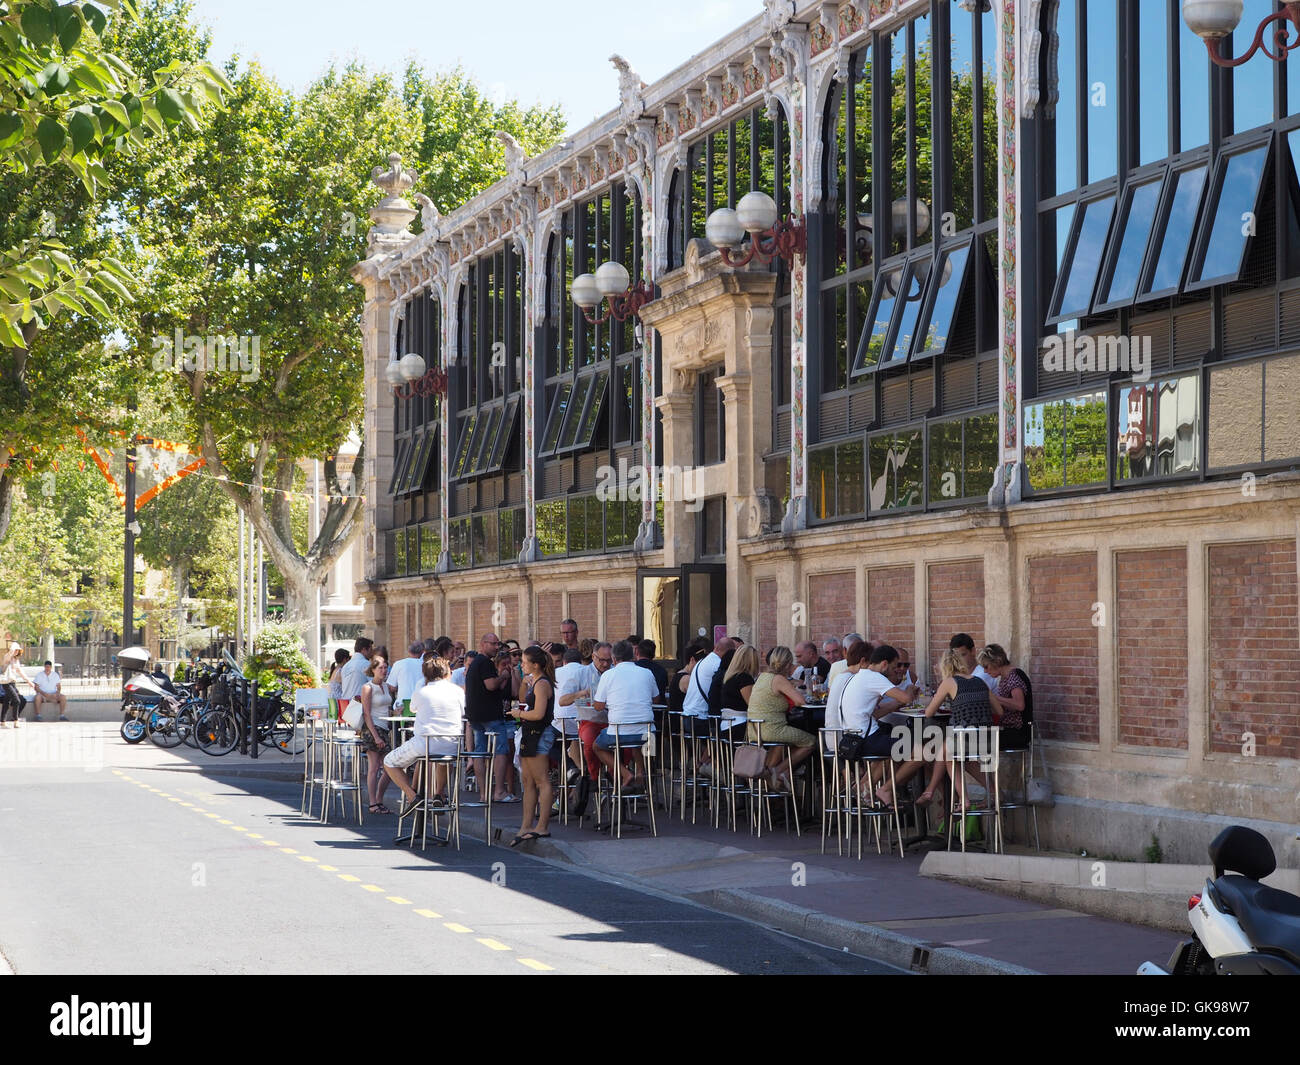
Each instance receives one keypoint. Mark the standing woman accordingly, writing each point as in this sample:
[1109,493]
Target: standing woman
[11,671]
[376,702]
[537,739]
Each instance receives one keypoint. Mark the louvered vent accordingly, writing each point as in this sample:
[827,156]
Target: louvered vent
[1250,325]
[922,394]
[986,387]
[1290,333]
[551,476]
[862,409]
[585,474]
[834,417]
[1192,341]
[782,441]
[894,408]
[959,385]
[1157,327]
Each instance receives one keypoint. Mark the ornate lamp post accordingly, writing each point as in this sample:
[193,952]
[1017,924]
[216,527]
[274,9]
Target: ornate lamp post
[769,236]
[1212,20]
[611,283]
[407,377]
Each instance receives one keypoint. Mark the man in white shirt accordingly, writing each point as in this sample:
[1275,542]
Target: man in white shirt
[407,674]
[696,703]
[49,689]
[626,692]
[570,681]
[590,719]
[850,638]
[963,643]
[860,704]
[354,671]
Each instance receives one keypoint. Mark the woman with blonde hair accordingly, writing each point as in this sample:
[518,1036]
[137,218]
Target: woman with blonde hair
[769,699]
[737,687]
[973,705]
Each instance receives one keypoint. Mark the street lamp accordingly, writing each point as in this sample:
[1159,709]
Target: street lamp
[769,237]
[1212,20]
[408,377]
[611,283]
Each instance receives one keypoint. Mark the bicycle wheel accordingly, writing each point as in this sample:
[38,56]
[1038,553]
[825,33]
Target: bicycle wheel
[187,718]
[283,735]
[217,732]
[164,730]
[133,730]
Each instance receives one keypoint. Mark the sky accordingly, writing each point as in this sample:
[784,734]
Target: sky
[536,52]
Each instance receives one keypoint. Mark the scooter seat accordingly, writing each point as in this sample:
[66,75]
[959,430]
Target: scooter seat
[1271,918]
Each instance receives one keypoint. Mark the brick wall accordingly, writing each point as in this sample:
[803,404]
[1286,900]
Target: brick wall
[618,614]
[891,606]
[584,608]
[458,623]
[396,629]
[954,603]
[483,619]
[412,630]
[550,612]
[1151,647]
[765,632]
[1254,658]
[1063,646]
[832,605]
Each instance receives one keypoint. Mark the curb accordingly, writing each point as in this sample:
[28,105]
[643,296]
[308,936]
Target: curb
[838,933]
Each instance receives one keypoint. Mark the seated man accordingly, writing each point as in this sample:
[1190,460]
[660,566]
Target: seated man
[49,685]
[626,692]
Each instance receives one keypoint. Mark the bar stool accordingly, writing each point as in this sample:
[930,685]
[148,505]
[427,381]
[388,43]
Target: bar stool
[978,744]
[687,775]
[343,772]
[1019,800]
[615,792]
[762,796]
[727,787]
[309,704]
[314,778]
[859,809]
[465,757]
[426,767]
[567,732]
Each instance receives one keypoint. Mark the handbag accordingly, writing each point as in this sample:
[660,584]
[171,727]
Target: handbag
[1038,792]
[749,761]
[352,715]
[852,746]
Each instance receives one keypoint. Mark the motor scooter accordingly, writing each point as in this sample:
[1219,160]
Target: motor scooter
[1240,927]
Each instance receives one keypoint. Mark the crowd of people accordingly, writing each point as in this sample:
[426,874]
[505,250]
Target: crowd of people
[526,706]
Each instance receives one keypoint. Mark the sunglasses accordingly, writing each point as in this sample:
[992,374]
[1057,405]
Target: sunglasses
[516,654]
[904,665]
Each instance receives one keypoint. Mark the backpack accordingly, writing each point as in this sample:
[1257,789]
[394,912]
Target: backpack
[718,683]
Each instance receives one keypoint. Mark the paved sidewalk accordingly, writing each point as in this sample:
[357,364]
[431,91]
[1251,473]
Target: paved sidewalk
[879,906]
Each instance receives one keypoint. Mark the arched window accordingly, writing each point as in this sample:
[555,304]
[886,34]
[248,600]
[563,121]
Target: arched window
[413,484]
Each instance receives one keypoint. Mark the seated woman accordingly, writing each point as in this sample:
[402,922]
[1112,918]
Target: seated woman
[973,705]
[439,720]
[1014,692]
[737,686]
[769,699]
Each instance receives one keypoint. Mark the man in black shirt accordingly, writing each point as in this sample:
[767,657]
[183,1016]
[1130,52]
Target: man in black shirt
[645,657]
[809,661]
[486,688]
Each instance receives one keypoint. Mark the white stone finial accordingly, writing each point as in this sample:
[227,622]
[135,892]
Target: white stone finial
[393,214]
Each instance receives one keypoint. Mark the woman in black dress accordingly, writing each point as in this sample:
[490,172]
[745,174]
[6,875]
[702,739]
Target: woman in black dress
[537,737]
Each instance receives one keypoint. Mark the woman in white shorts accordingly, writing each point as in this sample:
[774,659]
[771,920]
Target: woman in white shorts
[439,721]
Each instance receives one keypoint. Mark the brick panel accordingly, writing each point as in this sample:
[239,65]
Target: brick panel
[458,623]
[584,608]
[1063,646]
[550,612]
[954,603]
[891,605]
[484,619]
[1151,647]
[1254,657]
[765,632]
[832,605]
[618,614]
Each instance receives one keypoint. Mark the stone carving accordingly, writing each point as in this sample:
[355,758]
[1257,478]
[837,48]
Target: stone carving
[631,89]
[514,156]
[777,15]
[1033,42]
[394,213]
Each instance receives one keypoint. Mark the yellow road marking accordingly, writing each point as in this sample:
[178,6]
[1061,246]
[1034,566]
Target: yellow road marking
[164,795]
[172,798]
[270,843]
[371,887]
[453,926]
[349,878]
[399,900]
[238,828]
[225,821]
[493,944]
[307,858]
[428,913]
[213,815]
[288,850]
[190,804]
[536,965]
[330,868]
[254,835]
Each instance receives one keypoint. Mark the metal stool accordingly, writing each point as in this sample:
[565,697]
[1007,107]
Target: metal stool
[687,775]
[314,778]
[615,792]
[727,788]
[977,744]
[762,796]
[464,757]
[425,766]
[1020,800]
[343,773]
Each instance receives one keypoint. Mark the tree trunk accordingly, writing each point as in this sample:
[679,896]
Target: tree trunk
[6,501]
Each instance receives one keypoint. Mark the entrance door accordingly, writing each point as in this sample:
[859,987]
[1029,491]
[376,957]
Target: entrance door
[677,605]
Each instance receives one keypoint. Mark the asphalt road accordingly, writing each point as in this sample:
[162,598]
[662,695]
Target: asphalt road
[151,864]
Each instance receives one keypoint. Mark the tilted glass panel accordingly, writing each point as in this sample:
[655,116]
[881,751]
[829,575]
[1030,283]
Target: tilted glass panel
[559,407]
[1233,215]
[592,416]
[420,465]
[908,312]
[1169,250]
[947,284]
[399,465]
[573,417]
[1079,274]
[462,448]
[475,444]
[504,436]
[487,439]
[1141,203]
[875,330]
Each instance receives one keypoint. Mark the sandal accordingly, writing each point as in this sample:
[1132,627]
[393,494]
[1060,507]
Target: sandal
[524,838]
[379,808]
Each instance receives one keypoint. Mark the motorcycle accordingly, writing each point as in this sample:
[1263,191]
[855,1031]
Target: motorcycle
[1239,926]
[151,711]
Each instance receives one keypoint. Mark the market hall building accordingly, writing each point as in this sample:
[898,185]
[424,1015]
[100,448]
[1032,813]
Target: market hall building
[1031,370]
